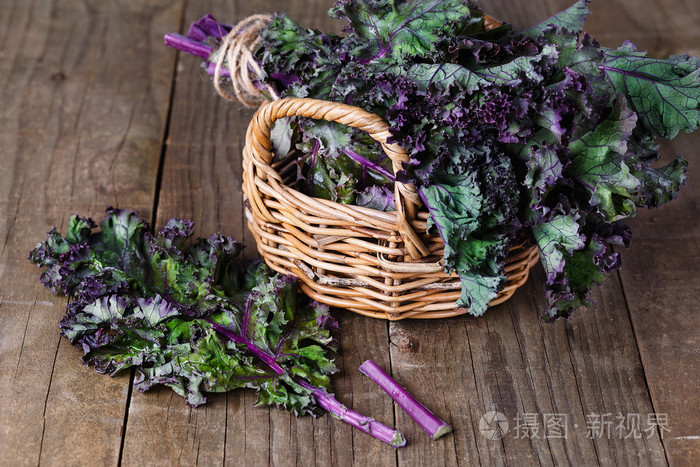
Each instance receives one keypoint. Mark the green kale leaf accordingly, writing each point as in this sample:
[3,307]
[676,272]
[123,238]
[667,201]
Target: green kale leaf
[195,319]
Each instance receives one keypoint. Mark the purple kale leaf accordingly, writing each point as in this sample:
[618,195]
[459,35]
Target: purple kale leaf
[379,198]
[397,29]
[193,318]
[153,303]
[598,162]
[476,219]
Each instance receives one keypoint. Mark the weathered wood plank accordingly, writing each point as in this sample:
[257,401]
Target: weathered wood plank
[201,180]
[659,270]
[84,89]
[662,27]
[60,137]
[660,279]
[508,361]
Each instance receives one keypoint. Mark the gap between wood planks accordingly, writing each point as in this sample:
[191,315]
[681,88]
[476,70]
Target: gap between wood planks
[644,370]
[154,212]
[166,129]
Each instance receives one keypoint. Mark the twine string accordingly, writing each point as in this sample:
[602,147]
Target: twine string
[236,54]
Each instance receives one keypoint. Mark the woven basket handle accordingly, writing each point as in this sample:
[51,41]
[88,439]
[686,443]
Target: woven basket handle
[407,199]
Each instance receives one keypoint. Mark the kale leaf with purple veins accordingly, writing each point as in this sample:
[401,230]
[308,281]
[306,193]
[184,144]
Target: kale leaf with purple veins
[664,93]
[398,30]
[572,19]
[660,185]
[598,163]
[194,318]
[476,218]
[379,198]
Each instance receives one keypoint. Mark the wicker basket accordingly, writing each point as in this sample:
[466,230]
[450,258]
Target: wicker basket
[379,264]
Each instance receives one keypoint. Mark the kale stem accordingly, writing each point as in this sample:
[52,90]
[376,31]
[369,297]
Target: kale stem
[180,42]
[325,400]
[368,425]
[369,164]
[211,68]
[269,360]
[212,28]
[427,420]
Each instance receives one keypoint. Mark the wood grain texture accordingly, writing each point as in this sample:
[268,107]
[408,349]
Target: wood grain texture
[660,281]
[86,88]
[84,105]
[513,363]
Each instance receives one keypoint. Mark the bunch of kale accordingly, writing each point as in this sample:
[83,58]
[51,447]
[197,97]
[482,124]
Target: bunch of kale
[193,316]
[196,319]
[540,132]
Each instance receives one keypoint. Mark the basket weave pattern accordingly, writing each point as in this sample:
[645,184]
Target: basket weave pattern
[379,264]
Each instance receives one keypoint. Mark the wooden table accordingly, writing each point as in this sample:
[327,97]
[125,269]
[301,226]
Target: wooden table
[94,110]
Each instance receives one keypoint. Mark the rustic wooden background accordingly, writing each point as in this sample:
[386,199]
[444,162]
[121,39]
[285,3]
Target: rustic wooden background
[94,110]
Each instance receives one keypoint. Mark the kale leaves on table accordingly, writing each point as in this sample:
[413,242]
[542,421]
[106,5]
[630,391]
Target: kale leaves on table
[541,131]
[194,318]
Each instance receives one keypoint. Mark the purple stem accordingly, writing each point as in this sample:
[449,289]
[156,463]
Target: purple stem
[211,66]
[369,164]
[325,400]
[180,42]
[285,79]
[211,27]
[382,51]
[368,425]
[268,359]
[196,34]
[427,420]
[288,355]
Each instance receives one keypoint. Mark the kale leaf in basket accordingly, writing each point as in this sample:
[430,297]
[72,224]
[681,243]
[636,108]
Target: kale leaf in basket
[541,131]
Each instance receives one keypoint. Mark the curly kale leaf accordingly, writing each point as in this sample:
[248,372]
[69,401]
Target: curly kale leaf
[397,29]
[576,256]
[572,19]
[292,55]
[476,220]
[660,185]
[193,318]
[598,163]
[664,93]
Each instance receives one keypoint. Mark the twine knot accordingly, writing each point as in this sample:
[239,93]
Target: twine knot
[236,53]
